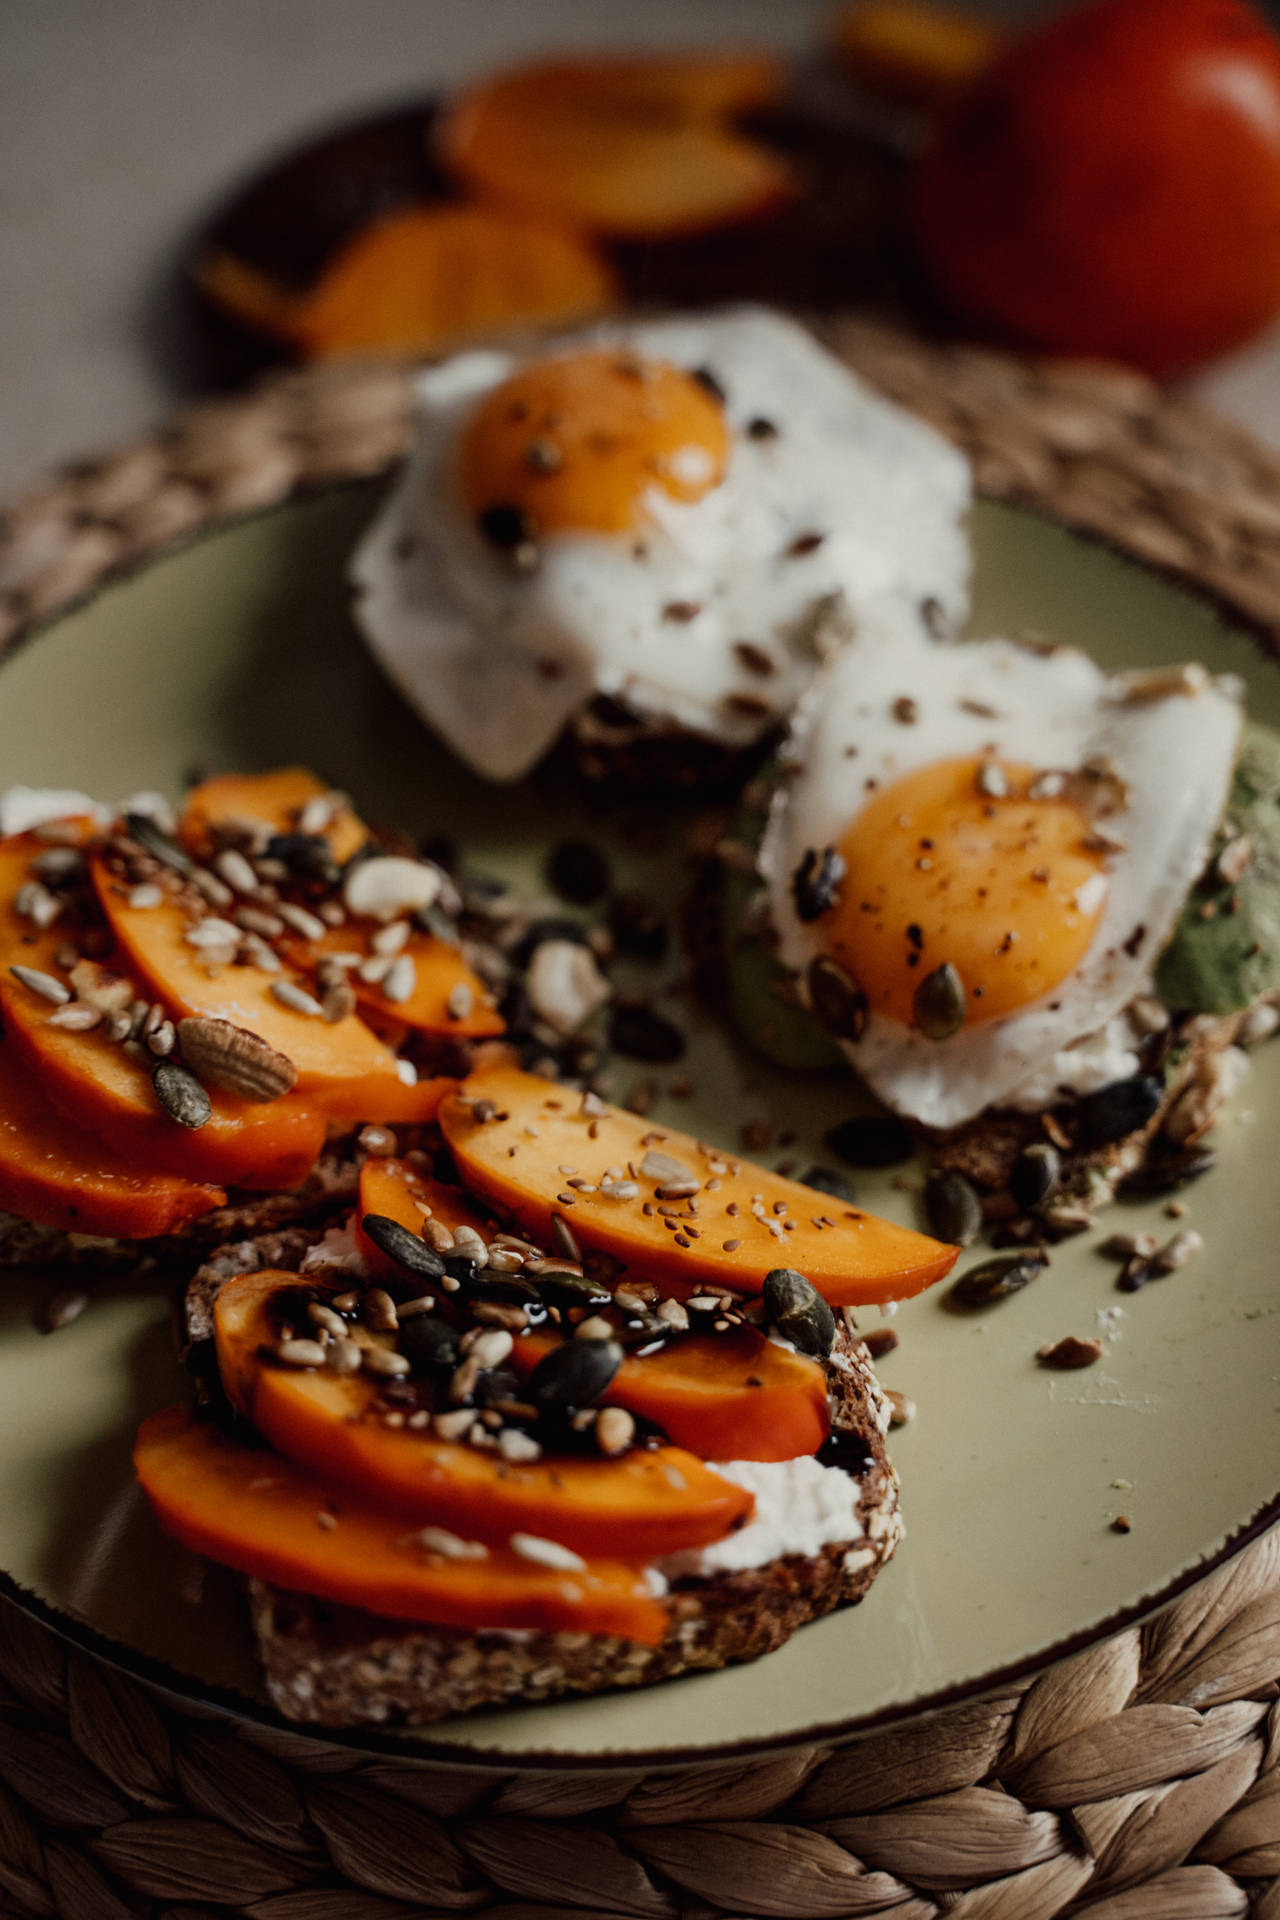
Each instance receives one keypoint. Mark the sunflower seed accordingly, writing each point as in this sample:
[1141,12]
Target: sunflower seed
[162,1039]
[518,1447]
[448,1545]
[1069,1353]
[296,998]
[546,1553]
[181,1095]
[1163,683]
[61,1308]
[1176,1252]
[231,866]
[384,1363]
[212,932]
[614,1430]
[380,1311]
[74,1018]
[902,1408]
[145,895]
[390,939]
[34,902]
[301,1353]
[309,925]
[460,1002]
[42,983]
[402,979]
[492,1348]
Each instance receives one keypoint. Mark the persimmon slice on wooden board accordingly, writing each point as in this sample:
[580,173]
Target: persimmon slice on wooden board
[260,1514]
[639,148]
[738,1233]
[724,1396]
[423,281]
[55,1175]
[343,1067]
[649,1502]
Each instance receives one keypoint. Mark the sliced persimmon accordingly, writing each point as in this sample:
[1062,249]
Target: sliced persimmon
[731,1230]
[425,280]
[252,1510]
[54,1175]
[277,800]
[724,1396]
[439,970]
[274,800]
[914,53]
[400,1193]
[650,1502]
[343,1068]
[636,147]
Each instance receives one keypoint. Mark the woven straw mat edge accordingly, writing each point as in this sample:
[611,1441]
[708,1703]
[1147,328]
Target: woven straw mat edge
[1139,1780]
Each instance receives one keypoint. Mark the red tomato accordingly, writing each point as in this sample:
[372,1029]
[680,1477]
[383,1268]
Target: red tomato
[1111,184]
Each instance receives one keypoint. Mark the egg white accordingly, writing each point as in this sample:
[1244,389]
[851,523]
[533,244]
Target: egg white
[1052,710]
[499,662]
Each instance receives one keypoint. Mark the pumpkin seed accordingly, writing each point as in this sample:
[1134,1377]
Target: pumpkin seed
[1166,1172]
[838,1002]
[573,1375]
[181,1095]
[939,1003]
[405,1248]
[830,1180]
[952,1208]
[872,1140]
[142,829]
[796,1308]
[1035,1174]
[1117,1110]
[993,1280]
[429,1342]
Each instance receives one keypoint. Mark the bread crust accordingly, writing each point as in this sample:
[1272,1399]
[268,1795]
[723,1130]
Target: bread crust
[336,1666]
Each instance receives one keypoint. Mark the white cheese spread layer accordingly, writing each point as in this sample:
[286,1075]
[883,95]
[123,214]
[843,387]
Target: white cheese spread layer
[801,1507]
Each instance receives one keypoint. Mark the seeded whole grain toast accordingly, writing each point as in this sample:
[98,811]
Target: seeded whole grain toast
[337,1666]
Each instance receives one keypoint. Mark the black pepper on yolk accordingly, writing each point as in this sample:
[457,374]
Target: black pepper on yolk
[938,871]
[576,444]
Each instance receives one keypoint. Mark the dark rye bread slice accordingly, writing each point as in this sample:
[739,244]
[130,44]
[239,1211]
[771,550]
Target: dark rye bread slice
[329,1187]
[335,1666]
[985,1149]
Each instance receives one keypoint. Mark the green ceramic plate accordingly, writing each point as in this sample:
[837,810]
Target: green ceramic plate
[238,652]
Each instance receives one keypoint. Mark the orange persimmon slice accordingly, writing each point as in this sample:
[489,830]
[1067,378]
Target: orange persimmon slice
[637,147]
[400,1193]
[724,1396]
[738,1228]
[54,1175]
[254,1511]
[343,1068]
[273,800]
[99,1088]
[649,1502]
[914,53]
[277,800]
[423,281]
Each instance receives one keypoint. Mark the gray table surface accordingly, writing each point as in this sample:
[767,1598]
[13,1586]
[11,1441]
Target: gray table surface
[123,121]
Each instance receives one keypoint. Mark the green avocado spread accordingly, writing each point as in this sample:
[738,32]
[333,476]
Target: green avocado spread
[759,1000]
[1225,949]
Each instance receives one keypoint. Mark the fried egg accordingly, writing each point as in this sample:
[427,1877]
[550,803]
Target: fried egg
[979,849]
[686,516]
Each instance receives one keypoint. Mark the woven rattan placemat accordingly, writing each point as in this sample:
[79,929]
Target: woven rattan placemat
[1139,1780]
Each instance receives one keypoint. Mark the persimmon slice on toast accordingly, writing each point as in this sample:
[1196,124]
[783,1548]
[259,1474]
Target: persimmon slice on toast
[649,1503]
[733,1214]
[265,1516]
[278,800]
[55,1175]
[424,280]
[343,1067]
[725,1396]
[636,147]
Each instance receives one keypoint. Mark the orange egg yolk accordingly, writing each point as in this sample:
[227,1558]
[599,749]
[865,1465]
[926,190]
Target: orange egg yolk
[937,871]
[578,444]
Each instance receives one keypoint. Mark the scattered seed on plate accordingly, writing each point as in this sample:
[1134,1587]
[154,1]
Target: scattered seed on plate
[42,983]
[296,998]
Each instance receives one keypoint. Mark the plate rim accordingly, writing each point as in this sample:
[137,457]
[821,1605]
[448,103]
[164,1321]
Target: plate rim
[415,1745]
